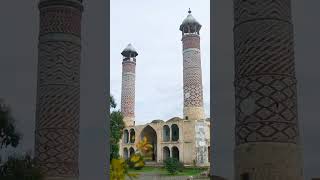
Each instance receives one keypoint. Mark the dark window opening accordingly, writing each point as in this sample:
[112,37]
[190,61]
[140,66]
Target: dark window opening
[245,176]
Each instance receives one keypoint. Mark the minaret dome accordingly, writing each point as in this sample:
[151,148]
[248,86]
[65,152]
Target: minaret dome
[129,51]
[190,25]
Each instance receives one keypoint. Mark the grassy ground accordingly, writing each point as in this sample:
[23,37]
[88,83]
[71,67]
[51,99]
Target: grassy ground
[162,171]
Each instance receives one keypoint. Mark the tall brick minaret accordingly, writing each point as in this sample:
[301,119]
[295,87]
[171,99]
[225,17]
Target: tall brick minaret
[192,74]
[266,132]
[58,89]
[128,85]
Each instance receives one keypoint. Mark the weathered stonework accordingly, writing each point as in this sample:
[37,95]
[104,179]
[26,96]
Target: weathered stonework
[193,112]
[58,89]
[191,145]
[266,161]
[267,133]
[202,141]
[192,74]
[128,86]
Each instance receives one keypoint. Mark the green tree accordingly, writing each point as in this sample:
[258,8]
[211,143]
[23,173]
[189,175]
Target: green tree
[22,168]
[8,134]
[116,127]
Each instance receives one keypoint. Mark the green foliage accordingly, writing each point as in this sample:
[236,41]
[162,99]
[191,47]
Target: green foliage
[16,167]
[119,170]
[116,127]
[112,102]
[20,167]
[136,161]
[114,153]
[8,133]
[173,166]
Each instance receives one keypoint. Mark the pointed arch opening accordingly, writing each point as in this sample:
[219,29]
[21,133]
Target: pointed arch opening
[132,136]
[125,153]
[166,153]
[166,133]
[131,151]
[175,132]
[151,136]
[175,153]
[126,136]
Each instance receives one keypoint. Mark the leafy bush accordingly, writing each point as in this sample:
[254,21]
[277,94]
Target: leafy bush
[119,170]
[173,166]
[20,167]
[136,161]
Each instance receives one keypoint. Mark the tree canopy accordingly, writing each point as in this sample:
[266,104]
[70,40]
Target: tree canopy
[8,132]
[116,127]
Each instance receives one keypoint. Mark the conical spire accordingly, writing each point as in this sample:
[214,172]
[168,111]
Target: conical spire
[129,51]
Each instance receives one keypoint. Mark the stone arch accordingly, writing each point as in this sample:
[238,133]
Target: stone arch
[131,151]
[151,136]
[166,153]
[166,133]
[132,136]
[174,132]
[175,152]
[125,153]
[126,136]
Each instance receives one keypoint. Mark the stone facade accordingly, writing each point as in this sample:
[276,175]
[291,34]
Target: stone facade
[267,132]
[186,140]
[58,89]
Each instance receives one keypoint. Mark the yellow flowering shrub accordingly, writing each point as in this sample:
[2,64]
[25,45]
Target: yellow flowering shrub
[119,170]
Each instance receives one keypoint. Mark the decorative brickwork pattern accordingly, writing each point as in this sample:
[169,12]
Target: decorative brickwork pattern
[266,132]
[273,115]
[128,92]
[58,91]
[192,77]
[266,108]
[248,10]
[60,20]
[264,47]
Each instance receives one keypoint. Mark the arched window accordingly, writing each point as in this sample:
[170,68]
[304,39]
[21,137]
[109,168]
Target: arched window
[175,132]
[126,136]
[132,135]
[175,152]
[166,133]
[131,151]
[166,153]
[125,153]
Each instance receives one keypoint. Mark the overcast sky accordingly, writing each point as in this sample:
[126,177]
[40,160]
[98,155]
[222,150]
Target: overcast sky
[153,29]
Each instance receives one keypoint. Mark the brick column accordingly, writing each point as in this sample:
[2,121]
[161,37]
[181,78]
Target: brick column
[128,85]
[266,132]
[58,89]
[192,74]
